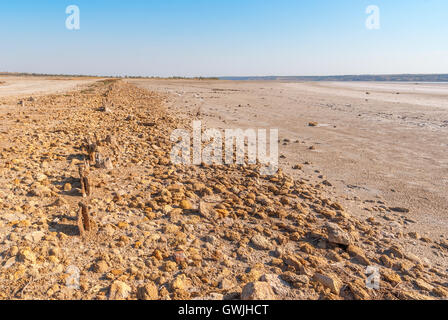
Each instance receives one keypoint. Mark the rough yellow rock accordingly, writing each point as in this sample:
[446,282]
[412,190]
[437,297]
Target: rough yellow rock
[186,205]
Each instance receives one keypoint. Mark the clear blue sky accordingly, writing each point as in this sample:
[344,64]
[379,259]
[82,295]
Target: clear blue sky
[224,37]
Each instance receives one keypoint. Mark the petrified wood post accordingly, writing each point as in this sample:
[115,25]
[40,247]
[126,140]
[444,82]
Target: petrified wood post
[112,142]
[92,148]
[84,178]
[84,223]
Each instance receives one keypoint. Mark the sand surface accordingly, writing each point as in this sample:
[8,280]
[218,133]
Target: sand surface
[21,86]
[380,145]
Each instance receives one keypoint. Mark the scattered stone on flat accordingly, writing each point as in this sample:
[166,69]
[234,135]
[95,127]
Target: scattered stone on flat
[399,209]
[148,291]
[257,291]
[278,285]
[261,242]
[337,235]
[329,281]
[34,236]
[119,290]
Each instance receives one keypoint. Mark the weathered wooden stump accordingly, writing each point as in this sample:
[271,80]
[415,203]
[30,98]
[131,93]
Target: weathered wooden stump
[92,149]
[113,145]
[84,222]
[84,178]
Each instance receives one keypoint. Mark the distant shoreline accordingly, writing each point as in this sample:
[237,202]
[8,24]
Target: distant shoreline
[358,78]
[421,78]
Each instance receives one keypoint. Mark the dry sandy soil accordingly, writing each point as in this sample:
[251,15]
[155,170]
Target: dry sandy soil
[92,207]
[380,145]
[22,86]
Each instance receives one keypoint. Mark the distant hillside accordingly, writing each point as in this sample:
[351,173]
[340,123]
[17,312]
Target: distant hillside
[389,77]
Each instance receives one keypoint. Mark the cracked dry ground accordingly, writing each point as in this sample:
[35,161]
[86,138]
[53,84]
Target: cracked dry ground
[172,232]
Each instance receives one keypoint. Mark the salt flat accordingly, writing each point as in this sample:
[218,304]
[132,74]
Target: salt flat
[21,86]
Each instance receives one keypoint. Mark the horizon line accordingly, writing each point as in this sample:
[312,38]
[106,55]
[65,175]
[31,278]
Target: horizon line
[279,77]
